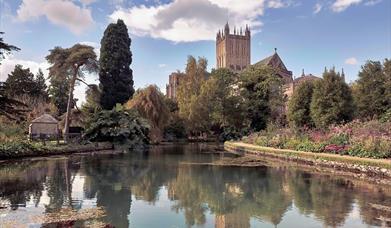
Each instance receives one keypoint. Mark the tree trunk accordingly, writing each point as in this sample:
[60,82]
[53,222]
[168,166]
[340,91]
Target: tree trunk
[69,105]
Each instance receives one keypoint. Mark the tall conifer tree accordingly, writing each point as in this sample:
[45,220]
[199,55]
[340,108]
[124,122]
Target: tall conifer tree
[40,85]
[115,76]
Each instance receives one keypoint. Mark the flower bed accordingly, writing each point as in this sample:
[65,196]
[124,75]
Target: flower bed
[370,139]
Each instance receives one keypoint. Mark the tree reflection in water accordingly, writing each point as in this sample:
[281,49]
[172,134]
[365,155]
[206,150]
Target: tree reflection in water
[235,196]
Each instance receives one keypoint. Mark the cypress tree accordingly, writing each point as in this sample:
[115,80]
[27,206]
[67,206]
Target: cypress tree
[115,75]
[332,100]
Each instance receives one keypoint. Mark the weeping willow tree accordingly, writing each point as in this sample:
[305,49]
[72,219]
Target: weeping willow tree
[151,105]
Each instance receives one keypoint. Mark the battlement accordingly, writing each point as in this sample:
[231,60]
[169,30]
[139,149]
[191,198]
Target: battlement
[237,33]
[233,49]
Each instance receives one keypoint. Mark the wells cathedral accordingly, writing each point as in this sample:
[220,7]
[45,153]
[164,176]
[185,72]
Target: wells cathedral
[233,51]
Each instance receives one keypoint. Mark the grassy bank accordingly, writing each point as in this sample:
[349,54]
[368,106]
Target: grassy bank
[19,149]
[244,148]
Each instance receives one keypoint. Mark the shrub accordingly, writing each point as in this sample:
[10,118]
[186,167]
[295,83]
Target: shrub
[364,139]
[11,131]
[175,128]
[231,133]
[310,146]
[19,148]
[118,126]
[339,139]
[299,105]
[386,117]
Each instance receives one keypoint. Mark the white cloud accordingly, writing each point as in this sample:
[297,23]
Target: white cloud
[87,2]
[372,2]
[276,4]
[317,8]
[162,65]
[341,5]
[59,12]
[351,61]
[193,20]
[8,65]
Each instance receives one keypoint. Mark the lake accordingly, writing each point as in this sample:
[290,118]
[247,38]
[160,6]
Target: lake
[160,188]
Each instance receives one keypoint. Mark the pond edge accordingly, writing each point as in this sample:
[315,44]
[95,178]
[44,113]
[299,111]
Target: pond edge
[371,167]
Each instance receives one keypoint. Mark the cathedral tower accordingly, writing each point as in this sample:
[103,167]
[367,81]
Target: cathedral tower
[233,50]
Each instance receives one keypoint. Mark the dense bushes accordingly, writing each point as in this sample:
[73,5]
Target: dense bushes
[18,148]
[118,126]
[11,131]
[299,114]
[332,101]
[362,139]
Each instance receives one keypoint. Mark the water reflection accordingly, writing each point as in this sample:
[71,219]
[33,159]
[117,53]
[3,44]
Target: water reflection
[187,195]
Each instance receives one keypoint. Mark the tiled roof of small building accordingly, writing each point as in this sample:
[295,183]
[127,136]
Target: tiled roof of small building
[45,118]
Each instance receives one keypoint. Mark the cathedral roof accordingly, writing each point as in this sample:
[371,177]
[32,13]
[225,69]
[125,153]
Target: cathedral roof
[264,62]
[307,77]
[273,61]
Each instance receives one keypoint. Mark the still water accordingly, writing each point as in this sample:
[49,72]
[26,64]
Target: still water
[158,188]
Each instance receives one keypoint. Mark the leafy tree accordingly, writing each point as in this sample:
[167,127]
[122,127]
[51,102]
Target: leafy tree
[71,63]
[115,75]
[188,92]
[171,104]
[19,82]
[92,103]
[176,127]
[261,89]
[224,105]
[118,126]
[372,90]
[40,85]
[299,106]
[332,100]
[58,93]
[6,48]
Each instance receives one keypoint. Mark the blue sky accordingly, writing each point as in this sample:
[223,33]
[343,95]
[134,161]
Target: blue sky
[309,34]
